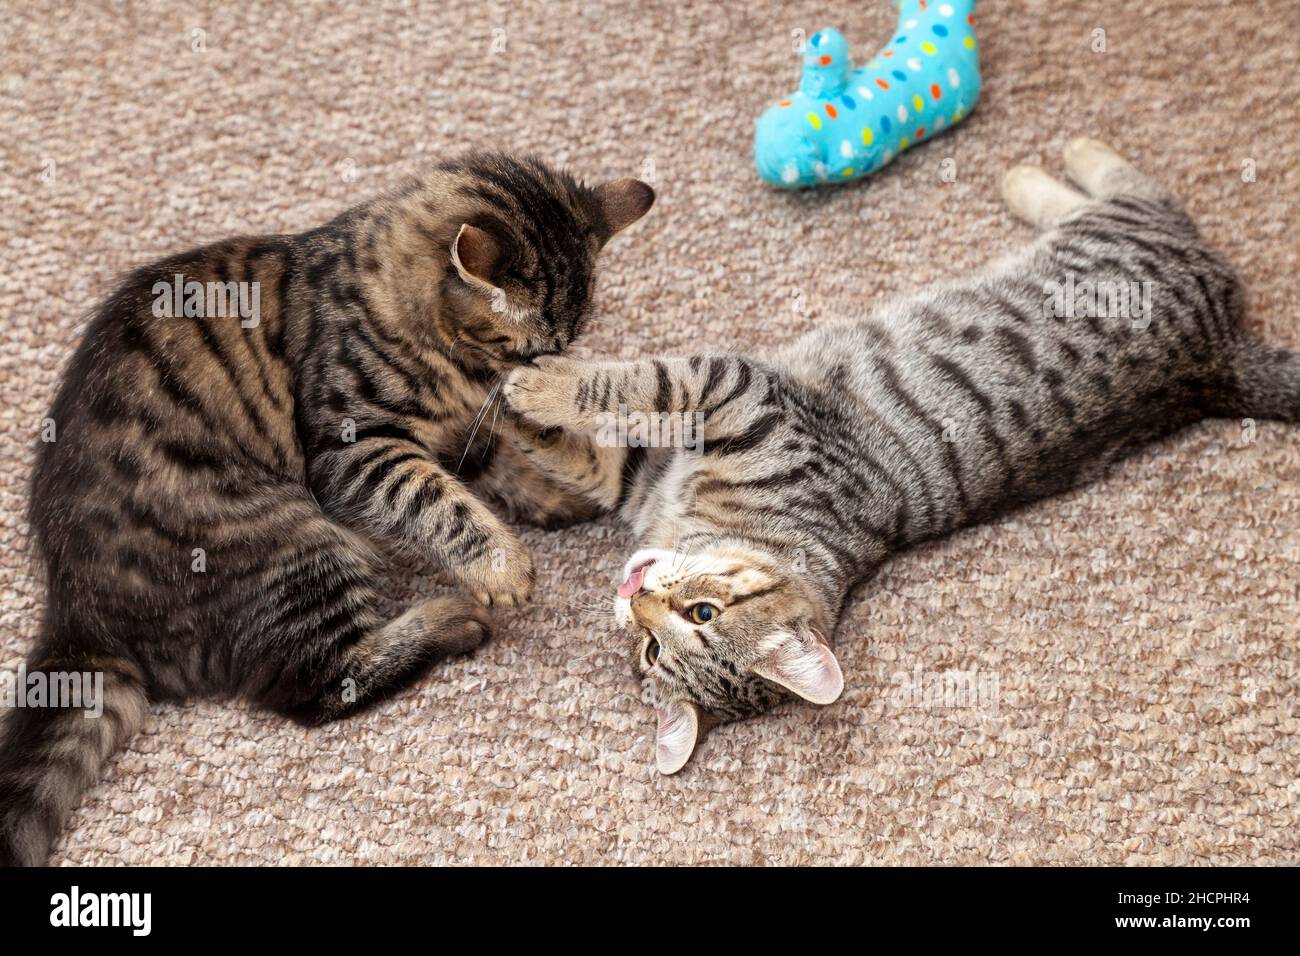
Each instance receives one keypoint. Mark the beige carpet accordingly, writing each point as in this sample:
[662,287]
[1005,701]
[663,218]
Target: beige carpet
[1142,633]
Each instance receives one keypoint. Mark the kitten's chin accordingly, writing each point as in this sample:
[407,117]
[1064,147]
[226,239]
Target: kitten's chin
[639,574]
[623,613]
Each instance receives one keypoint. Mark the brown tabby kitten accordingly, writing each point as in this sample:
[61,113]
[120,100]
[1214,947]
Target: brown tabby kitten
[205,510]
[866,437]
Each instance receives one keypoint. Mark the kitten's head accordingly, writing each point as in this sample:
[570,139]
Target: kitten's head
[720,635]
[523,263]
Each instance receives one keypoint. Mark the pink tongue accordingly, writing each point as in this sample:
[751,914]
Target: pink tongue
[632,584]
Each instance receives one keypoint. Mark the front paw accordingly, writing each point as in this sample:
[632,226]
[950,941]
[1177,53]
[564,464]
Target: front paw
[546,392]
[500,577]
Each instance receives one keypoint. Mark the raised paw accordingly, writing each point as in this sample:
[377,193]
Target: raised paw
[545,392]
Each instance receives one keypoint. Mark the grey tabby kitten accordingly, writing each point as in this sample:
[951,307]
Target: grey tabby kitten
[867,437]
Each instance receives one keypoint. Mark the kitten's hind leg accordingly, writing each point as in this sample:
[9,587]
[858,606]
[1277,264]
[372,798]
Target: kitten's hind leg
[315,645]
[1104,173]
[1038,198]
[392,656]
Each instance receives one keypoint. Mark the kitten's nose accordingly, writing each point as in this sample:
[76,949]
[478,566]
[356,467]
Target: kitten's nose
[639,617]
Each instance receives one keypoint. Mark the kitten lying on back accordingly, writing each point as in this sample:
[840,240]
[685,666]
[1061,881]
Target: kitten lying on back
[865,438]
[200,509]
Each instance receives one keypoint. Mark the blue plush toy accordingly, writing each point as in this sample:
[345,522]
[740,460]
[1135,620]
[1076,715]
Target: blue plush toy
[842,123]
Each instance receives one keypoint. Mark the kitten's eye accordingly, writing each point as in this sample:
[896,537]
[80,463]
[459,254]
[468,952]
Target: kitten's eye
[652,652]
[701,613]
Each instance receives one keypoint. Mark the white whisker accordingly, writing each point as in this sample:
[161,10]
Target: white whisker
[478,421]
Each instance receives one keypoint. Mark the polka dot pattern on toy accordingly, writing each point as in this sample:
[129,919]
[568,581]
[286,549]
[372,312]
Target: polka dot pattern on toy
[846,123]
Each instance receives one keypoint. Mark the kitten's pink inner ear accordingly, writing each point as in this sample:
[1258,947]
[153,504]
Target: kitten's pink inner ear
[623,202]
[802,663]
[474,254]
[679,725]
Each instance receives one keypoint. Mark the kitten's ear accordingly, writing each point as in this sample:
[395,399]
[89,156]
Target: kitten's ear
[801,662]
[476,255]
[623,202]
[679,726]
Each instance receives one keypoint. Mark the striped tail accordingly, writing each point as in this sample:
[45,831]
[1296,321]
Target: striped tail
[49,755]
[1265,383]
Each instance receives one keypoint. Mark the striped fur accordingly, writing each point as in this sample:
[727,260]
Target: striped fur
[206,513]
[869,436]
